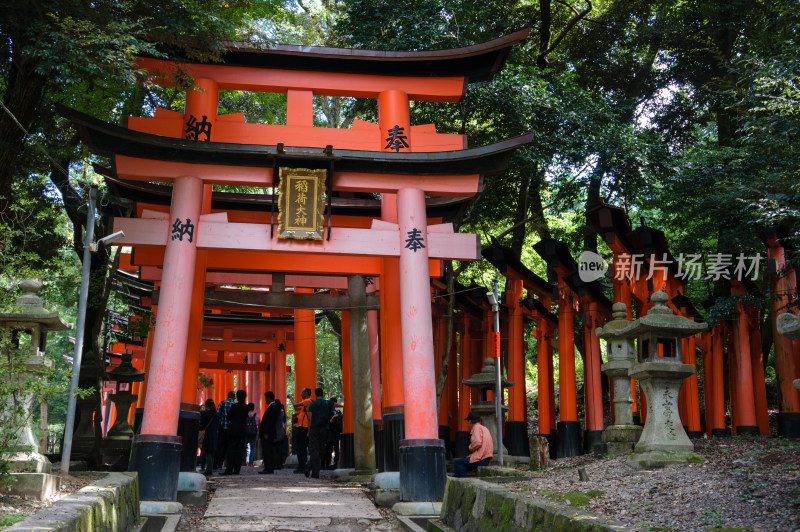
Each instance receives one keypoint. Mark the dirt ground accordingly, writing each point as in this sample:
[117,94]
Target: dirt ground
[14,509]
[746,483]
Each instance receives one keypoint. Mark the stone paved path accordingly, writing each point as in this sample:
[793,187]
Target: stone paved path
[286,501]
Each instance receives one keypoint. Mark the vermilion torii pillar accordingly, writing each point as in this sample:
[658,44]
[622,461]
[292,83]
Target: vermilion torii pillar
[422,453]
[157,447]
[305,349]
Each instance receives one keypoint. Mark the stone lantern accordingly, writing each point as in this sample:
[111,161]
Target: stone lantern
[116,446]
[484,382]
[33,318]
[620,437]
[660,373]
[788,325]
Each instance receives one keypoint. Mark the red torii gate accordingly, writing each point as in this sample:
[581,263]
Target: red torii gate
[574,296]
[521,278]
[192,163]
[346,213]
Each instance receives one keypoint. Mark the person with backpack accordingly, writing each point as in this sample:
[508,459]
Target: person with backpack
[224,426]
[237,416]
[319,417]
[271,432]
[251,434]
[331,460]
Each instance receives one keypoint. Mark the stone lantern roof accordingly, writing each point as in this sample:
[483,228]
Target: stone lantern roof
[32,311]
[660,320]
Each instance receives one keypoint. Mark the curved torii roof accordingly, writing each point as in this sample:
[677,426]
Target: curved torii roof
[479,62]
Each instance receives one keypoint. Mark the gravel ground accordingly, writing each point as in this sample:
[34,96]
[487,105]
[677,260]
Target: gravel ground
[746,482]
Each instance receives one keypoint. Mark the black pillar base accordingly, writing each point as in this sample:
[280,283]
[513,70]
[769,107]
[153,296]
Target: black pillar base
[748,430]
[569,439]
[462,444]
[157,459]
[423,473]
[188,429]
[552,441]
[720,433]
[348,459]
[695,434]
[377,427]
[789,424]
[592,439]
[394,430]
[516,439]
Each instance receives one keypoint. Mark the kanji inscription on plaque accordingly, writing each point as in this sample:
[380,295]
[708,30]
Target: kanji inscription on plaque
[302,199]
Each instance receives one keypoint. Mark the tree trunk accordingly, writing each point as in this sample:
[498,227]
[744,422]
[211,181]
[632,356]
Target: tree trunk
[22,97]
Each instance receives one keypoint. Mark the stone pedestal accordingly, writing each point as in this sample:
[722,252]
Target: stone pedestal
[116,446]
[663,440]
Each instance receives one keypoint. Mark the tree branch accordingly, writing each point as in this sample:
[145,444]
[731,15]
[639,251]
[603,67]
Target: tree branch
[541,60]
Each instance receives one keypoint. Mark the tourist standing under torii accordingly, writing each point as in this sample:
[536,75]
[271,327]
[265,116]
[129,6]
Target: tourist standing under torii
[319,414]
[209,422]
[236,434]
[301,430]
[480,445]
[251,434]
[268,434]
[224,424]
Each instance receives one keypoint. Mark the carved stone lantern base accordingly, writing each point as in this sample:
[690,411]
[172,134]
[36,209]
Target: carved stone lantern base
[659,459]
[663,440]
[621,439]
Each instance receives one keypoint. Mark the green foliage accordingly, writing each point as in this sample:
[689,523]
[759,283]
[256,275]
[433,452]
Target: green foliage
[329,369]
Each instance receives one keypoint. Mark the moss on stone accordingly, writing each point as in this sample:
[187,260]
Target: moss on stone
[578,499]
[499,511]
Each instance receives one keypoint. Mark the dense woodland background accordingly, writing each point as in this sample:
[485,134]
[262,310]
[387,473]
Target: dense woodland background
[685,113]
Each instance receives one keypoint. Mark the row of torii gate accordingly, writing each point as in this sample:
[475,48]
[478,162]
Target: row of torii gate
[192,248]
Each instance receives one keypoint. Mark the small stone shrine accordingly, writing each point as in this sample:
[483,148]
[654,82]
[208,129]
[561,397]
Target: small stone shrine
[620,437]
[789,326]
[484,382]
[660,373]
[116,446]
[30,466]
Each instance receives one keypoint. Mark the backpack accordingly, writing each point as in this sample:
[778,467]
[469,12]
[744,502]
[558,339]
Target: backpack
[280,426]
[251,429]
[336,422]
